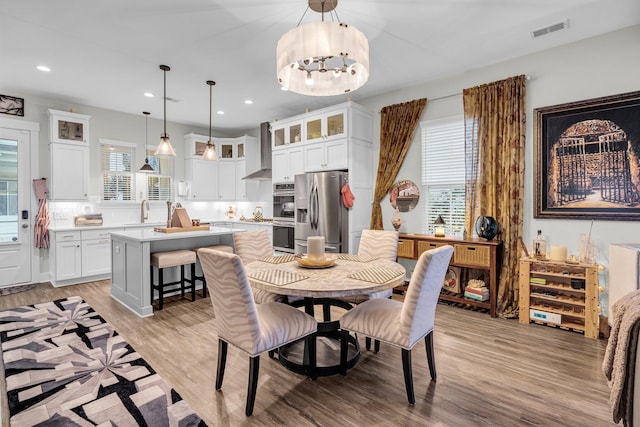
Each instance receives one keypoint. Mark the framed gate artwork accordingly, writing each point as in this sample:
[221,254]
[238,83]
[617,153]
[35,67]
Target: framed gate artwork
[587,159]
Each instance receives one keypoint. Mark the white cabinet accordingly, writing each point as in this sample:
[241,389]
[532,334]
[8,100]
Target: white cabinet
[67,127]
[203,179]
[286,163]
[326,126]
[68,155]
[286,133]
[96,252]
[68,260]
[227,180]
[69,171]
[221,179]
[80,256]
[330,155]
[339,137]
[241,184]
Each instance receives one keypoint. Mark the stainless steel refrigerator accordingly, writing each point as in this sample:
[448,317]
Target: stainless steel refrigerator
[320,211]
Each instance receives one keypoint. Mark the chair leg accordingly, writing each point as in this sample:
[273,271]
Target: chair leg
[376,346]
[222,362]
[428,341]
[367,343]
[311,348]
[204,286]
[344,351]
[408,375]
[254,368]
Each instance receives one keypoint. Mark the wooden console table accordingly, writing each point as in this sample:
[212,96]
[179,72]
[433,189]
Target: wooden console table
[467,253]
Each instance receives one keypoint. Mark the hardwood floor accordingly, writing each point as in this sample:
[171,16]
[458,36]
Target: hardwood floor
[491,372]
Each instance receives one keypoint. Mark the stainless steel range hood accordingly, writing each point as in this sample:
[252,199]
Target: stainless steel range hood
[264,173]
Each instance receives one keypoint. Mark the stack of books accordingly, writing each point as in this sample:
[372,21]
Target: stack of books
[477,294]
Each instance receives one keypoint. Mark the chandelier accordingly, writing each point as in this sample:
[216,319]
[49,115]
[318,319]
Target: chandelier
[323,58]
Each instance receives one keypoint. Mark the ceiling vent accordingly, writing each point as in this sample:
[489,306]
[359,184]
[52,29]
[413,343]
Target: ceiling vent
[550,29]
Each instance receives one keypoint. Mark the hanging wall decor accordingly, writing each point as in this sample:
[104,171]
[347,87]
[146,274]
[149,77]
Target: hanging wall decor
[404,195]
[11,105]
[587,159]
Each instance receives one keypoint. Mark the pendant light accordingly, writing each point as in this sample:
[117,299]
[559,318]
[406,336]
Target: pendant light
[209,152]
[147,168]
[165,148]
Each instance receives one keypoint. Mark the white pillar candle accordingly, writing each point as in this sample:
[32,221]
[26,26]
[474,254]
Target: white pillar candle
[558,253]
[315,247]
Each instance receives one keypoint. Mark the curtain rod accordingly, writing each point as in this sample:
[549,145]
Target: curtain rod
[440,98]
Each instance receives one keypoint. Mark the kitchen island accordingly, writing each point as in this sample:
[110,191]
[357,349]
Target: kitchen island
[130,260]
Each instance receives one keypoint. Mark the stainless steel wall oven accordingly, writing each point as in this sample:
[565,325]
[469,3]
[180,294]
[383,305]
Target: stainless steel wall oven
[283,201]
[284,217]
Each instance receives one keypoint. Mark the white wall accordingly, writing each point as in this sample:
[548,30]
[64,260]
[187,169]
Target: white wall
[601,66]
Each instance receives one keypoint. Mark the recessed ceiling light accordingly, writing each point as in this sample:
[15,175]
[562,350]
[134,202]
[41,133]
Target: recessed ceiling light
[220,112]
[248,102]
[148,94]
[43,68]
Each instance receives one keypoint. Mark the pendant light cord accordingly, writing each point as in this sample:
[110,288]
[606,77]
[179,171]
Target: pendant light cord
[211,84]
[165,102]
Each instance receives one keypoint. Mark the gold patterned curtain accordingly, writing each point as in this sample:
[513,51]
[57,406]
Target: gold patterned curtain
[495,122]
[397,124]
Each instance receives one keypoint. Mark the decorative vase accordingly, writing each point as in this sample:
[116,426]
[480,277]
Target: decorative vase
[396,221]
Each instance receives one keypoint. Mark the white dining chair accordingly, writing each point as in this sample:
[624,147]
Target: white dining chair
[253,328]
[381,244]
[403,324]
[251,246]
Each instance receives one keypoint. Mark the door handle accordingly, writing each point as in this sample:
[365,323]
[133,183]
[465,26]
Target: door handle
[25,225]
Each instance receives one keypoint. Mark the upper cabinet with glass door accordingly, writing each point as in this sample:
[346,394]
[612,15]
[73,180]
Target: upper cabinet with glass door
[326,126]
[67,127]
[286,133]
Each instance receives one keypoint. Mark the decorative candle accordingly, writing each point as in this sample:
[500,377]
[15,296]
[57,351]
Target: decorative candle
[315,247]
[558,253]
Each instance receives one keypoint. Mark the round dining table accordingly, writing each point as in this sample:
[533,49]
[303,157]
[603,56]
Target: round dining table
[330,285]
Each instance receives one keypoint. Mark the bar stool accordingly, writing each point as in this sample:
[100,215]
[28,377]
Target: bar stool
[221,248]
[162,260]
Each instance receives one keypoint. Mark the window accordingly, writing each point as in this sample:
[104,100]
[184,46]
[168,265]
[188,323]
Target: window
[443,172]
[8,198]
[117,161]
[160,182]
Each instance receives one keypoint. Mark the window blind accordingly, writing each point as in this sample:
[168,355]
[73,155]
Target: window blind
[443,172]
[117,160]
[160,183]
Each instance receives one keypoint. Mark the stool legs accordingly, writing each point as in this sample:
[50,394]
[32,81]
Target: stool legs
[161,285]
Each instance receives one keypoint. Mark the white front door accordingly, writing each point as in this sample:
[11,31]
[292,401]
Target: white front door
[15,215]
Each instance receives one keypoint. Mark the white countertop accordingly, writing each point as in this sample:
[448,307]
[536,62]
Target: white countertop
[148,225]
[148,235]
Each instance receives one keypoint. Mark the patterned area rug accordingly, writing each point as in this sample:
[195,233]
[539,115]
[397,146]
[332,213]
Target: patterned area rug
[15,289]
[65,365]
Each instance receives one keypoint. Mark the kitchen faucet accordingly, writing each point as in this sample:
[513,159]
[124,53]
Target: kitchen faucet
[143,215]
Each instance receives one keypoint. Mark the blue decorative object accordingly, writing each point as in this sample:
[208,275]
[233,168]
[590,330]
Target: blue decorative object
[486,227]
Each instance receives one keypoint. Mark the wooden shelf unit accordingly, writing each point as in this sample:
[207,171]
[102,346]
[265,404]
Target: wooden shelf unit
[578,307]
[467,253]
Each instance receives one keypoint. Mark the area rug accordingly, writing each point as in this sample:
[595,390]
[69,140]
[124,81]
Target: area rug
[65,365]
[15,289]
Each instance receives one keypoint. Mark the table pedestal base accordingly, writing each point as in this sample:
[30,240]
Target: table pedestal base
[293,356]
